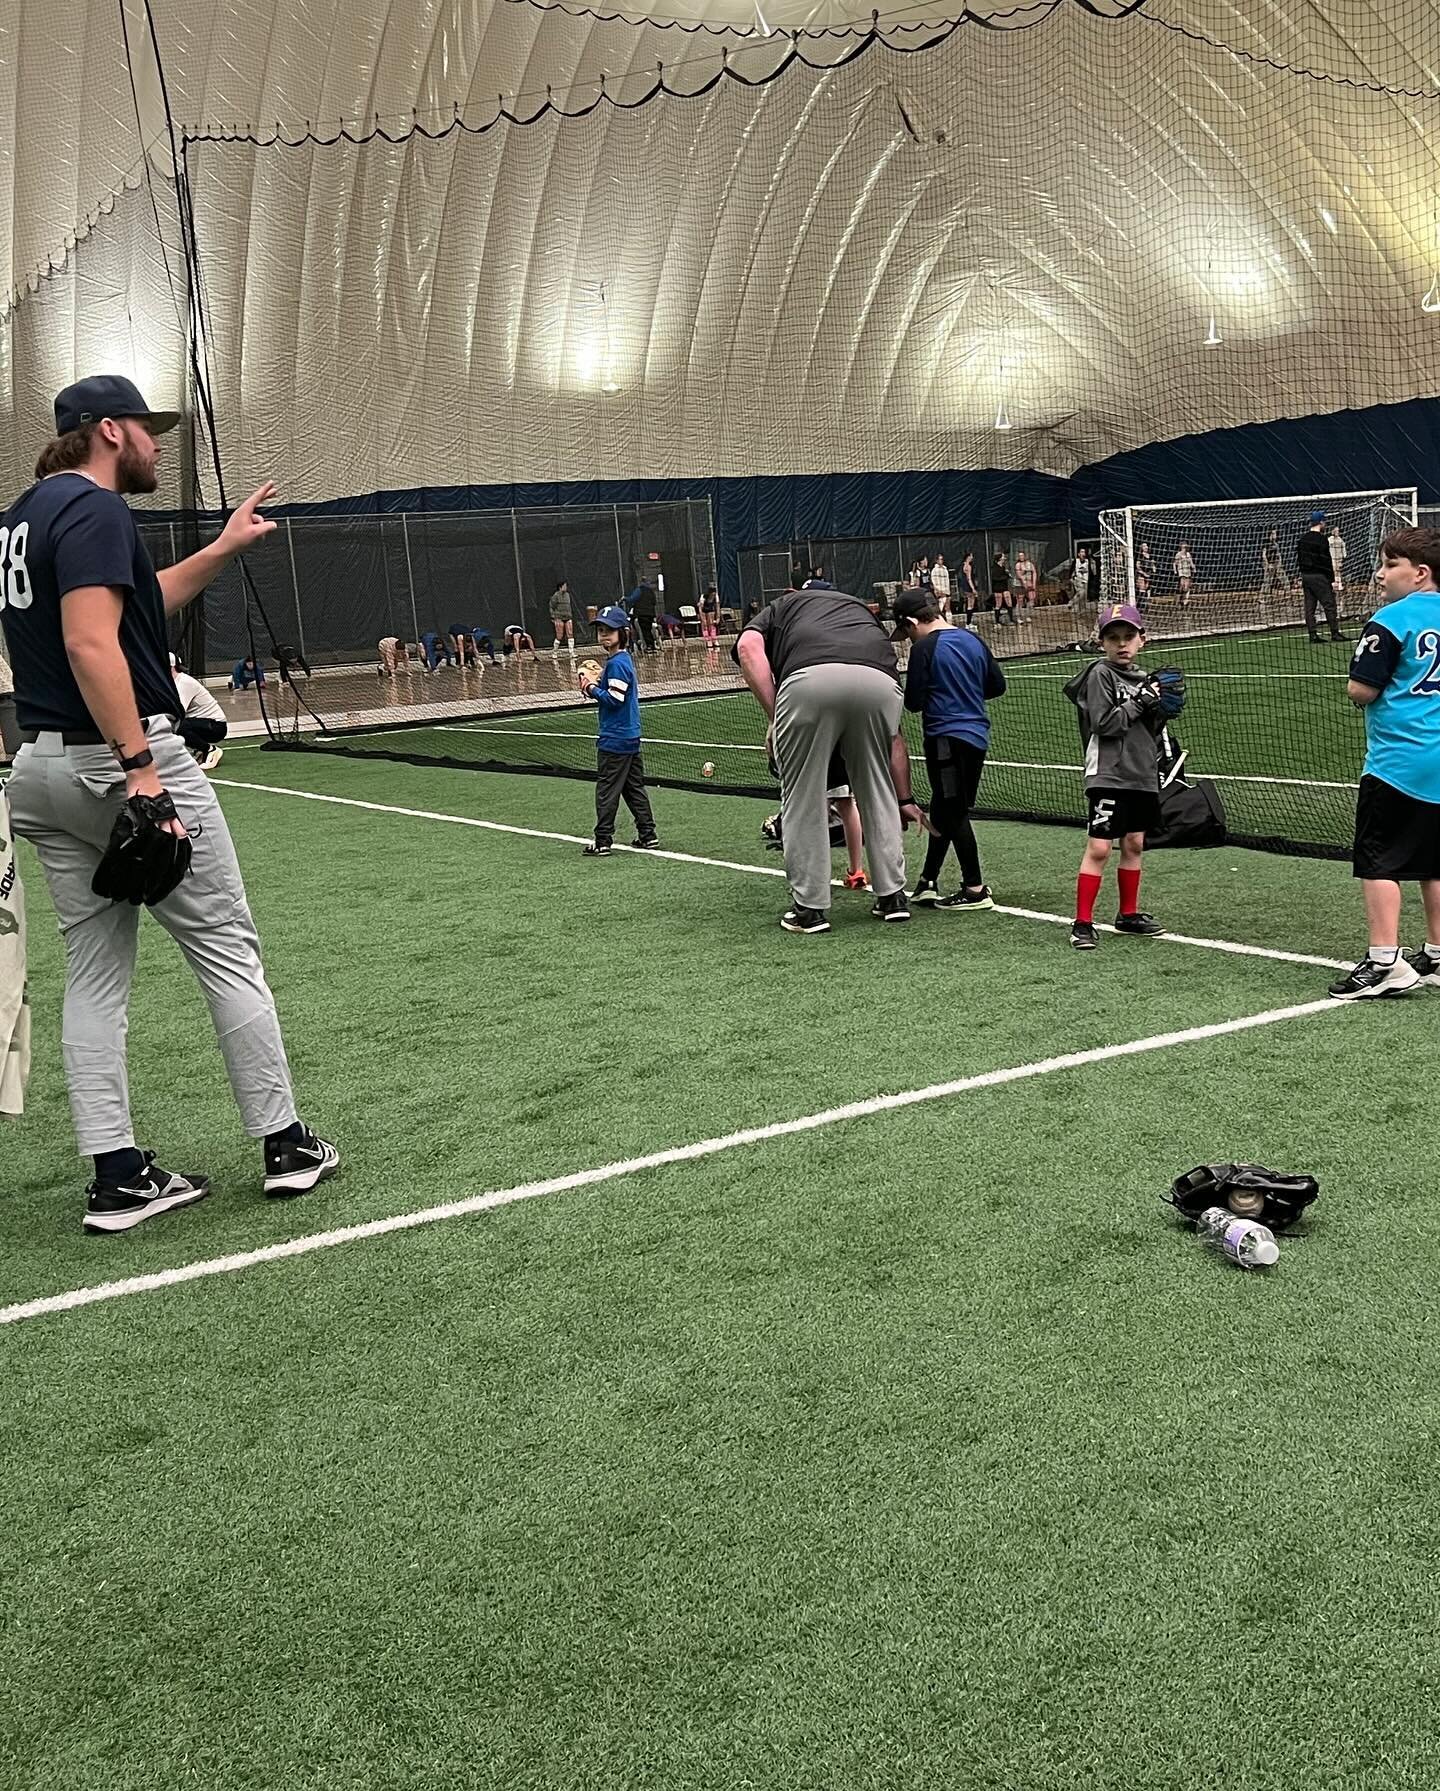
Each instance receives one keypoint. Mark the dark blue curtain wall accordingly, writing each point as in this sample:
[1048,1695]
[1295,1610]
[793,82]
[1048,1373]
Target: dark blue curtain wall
[1396,444]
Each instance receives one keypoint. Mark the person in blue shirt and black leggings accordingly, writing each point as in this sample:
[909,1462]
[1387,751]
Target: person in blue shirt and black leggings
[620,770]
[952,675]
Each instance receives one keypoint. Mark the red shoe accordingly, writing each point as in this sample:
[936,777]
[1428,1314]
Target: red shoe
[857,880]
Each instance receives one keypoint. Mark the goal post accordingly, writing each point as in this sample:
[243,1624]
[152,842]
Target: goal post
[1232,562]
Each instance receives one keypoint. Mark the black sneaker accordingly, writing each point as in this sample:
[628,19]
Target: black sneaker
[891,907]
[1339,637]
[120,1206]
[973,901]
[296,1168]
[1145,925]
[926,893]
[1371,979]
[804,920]
[1425,967]
[1082,935]
[598,849]
[646,842]
[1317,640]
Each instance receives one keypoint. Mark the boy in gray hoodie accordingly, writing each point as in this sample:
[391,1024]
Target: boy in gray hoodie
[1120,724]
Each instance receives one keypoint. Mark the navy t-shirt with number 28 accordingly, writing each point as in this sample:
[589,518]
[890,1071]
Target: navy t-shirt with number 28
[66,533]
[1398,654]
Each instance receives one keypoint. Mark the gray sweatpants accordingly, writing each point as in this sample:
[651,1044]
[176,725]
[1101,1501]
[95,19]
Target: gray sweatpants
[64,800]
[855,709]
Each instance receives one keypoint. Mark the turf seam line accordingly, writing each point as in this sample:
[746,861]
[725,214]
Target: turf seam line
[1233,947]
[103,1291]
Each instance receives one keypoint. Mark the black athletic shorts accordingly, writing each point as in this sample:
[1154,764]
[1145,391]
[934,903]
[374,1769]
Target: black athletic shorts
[1397,837]
[1114,813]
[954,768]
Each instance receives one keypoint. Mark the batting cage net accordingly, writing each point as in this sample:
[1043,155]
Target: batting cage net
[1266,725]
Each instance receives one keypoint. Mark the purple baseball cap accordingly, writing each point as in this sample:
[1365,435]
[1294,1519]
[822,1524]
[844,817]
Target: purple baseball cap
[1120,612]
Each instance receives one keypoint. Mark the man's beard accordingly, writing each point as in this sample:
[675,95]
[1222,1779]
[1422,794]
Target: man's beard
[133,477]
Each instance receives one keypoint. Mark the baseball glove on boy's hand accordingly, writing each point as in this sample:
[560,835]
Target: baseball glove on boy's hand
[1170,683]
[1248,1190]
[143,862]
[589,670]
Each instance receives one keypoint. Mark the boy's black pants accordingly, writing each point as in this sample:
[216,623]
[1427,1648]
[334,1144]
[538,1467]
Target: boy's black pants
[620,774]
[954,767]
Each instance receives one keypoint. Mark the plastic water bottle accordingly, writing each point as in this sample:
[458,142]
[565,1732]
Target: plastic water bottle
[1244,1241]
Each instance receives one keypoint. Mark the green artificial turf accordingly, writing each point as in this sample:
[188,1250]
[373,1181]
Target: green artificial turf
[922,1450]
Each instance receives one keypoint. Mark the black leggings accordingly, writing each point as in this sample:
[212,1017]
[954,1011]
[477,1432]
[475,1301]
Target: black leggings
[954,767]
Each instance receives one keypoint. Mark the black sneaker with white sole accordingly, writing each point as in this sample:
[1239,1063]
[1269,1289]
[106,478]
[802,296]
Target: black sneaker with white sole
[1369,979]
[970,901]
[1145,925]
[296,1168]
[1082,935]
[926,893]
[805,920]
[1425,967]
[646,842]
[120,1206]
[597,849]
[891,907]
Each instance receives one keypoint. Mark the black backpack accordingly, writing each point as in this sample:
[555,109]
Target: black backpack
[1190,814]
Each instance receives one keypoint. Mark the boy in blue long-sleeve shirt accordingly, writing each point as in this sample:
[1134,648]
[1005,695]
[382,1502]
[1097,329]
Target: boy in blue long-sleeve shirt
[620,769]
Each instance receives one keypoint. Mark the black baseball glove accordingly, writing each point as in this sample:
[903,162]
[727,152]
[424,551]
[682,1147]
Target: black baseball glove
[142,863]
[1248,1190]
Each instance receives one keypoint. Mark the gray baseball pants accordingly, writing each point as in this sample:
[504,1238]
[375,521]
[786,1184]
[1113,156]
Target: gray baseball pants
[855,709]
[64,800]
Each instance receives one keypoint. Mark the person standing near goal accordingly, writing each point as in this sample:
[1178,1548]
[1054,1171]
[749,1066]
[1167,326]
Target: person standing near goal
[1395,679]
[1317,576]
[1184,568]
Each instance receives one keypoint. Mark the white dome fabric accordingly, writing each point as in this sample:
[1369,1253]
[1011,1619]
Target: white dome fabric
[1042,240]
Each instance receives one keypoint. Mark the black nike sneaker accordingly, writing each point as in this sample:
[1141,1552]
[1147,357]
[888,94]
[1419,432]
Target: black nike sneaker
[122,1205]
[597,849]
[1145,925]
[926,893]
[891,907]
[296,1168]
[804,920]
[973,901]
[646,842]
[1369,979]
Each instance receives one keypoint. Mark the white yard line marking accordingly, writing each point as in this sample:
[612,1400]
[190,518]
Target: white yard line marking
[730,864]
[608,1172]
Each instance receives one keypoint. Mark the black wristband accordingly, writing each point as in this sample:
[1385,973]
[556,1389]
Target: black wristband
[142,761]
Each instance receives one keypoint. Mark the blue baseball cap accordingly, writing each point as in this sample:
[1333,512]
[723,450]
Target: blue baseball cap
[107,395]
[1317,516]
[614,617]
[1117,614]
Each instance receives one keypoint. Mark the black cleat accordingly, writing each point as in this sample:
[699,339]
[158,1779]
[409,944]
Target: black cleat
[805,920]
[1369,979]
[120,1206]
[970,901]
[1082,935]
[1144,925]
[296,1168]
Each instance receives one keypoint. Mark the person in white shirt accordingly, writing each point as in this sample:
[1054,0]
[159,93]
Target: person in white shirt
[940,583]
[1338,552]
[203,725]
[1026,578]
[1184,564]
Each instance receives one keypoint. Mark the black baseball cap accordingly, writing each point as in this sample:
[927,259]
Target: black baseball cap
[107,395]
[908,606]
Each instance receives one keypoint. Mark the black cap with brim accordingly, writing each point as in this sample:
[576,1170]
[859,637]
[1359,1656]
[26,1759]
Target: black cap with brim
[108,395]
[908,606]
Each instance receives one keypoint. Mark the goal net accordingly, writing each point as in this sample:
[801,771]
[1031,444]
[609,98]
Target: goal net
[1233,564]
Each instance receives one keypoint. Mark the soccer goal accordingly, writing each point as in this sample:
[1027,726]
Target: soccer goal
[1233,564]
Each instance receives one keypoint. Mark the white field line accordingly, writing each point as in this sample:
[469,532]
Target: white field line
[660,1159]
[1231,946]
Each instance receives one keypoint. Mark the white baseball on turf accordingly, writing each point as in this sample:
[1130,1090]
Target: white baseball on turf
[707,769]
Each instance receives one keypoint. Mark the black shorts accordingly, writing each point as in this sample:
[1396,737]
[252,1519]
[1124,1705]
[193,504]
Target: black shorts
[1114,813]
[954,768]
[1397,837]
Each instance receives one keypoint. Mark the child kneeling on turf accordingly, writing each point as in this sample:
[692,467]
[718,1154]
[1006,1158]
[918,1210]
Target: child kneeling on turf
[1120,723]
[1395,679]
[620,769]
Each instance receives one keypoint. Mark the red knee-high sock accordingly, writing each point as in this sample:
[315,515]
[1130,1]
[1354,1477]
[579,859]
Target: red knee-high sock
[1129,891]
[1087,888]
